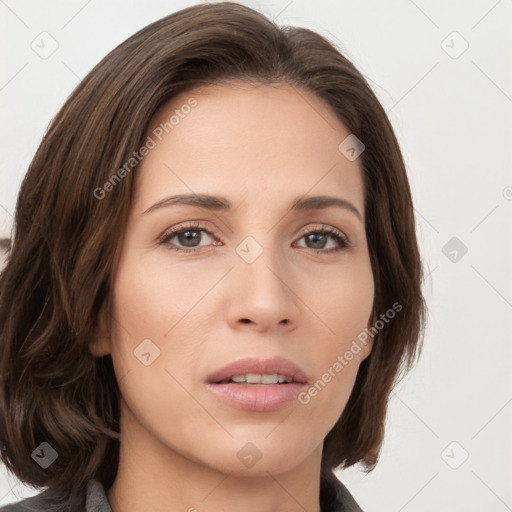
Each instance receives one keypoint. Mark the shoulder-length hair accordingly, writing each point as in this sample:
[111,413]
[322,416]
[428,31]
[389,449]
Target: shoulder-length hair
[58,271]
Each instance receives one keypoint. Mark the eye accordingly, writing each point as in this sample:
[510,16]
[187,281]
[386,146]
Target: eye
[190,237]
[319,236]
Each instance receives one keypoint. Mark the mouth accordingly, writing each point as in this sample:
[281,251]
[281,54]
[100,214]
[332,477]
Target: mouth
[258,385]
[254,372]
[255,379]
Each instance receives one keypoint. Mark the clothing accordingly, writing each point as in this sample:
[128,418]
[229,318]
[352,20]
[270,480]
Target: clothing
[334,497]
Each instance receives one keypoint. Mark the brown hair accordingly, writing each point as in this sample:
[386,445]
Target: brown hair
[57,276]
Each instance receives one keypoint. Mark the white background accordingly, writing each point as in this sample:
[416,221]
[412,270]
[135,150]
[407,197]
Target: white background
[453,119]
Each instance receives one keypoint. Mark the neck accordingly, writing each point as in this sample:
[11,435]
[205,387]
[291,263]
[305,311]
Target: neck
[152,476]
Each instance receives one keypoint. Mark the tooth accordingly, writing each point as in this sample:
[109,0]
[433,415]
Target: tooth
[256,378]
[269,379]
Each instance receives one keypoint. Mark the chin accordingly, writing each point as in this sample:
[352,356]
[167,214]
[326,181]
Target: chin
[259,458]
[274,465]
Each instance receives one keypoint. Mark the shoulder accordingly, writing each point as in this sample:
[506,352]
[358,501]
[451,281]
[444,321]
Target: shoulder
[36,503]
[349,503]
[91,500]
[334,496]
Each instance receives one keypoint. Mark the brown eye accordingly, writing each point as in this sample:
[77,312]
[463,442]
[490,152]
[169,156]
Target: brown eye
[188,237]
[318,239]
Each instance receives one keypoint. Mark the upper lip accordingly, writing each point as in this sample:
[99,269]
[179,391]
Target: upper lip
[271,366]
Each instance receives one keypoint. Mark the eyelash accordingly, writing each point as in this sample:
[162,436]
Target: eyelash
[171,233]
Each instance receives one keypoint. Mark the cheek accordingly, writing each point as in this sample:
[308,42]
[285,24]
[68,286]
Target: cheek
[344,307]
[154,313]
[148,308]
[342,301]
[152,296]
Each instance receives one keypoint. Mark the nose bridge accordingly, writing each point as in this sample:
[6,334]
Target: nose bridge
[261,260]
[260,279]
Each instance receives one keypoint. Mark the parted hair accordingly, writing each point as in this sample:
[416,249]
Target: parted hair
[57,275]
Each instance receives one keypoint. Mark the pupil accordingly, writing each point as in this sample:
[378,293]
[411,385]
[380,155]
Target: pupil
[315,239]
[187,239]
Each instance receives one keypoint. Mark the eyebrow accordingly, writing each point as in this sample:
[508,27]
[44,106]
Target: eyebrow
[219,203]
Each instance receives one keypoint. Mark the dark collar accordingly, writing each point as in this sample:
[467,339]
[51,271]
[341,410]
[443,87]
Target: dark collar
[334,497]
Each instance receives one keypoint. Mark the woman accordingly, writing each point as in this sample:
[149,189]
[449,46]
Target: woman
[214,280]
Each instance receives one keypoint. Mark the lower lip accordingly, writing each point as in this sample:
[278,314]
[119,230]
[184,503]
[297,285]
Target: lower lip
[257,397]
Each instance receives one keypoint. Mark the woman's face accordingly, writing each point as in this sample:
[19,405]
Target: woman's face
[260,280]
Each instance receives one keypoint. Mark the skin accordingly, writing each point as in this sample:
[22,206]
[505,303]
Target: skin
[260,147]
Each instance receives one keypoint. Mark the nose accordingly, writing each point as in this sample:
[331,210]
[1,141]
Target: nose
[261,293]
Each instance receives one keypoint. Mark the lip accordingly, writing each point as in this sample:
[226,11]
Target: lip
[278,365]
[258,397]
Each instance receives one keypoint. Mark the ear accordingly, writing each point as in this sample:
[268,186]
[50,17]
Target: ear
[100,345]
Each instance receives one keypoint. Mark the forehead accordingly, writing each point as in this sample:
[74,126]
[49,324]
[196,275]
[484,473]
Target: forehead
[276,141]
